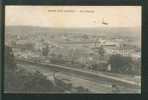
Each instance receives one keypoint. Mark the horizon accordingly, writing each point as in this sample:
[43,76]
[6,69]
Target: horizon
[72,27]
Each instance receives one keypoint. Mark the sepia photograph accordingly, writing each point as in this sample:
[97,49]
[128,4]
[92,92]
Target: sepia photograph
[72,49]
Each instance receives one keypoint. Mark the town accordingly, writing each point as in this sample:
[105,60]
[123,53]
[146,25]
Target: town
[96,51]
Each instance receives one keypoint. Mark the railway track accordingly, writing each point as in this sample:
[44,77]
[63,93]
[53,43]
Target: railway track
[88,75]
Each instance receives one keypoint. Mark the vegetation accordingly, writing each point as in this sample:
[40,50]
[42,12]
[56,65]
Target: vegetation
[20,81]
[123,64]
[45,51]
[101,51]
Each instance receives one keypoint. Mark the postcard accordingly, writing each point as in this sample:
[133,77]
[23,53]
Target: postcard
[72,49]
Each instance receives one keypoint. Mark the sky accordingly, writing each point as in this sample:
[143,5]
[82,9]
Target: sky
[74,16]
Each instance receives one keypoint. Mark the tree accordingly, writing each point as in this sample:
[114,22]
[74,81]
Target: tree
[120,63]
[45,50]
[9,58]
[101,50]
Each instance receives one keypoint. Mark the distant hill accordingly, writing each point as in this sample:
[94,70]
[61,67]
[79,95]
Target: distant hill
[108,31]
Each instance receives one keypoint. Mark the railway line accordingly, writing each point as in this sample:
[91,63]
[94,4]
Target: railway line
[88,75]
